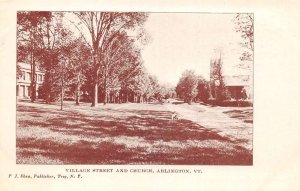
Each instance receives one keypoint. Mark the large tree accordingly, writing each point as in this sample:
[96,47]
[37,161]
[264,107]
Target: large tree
[101,26]
[118,55]
[244,24]
[78,55]
[54,56]
[42,39]
[186,88]
[30,40]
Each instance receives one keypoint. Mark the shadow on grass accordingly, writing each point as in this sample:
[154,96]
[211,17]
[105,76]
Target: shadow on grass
[84,152]
[151,125]
[245,115]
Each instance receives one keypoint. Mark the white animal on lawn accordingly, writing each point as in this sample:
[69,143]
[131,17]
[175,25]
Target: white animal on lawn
[175,116]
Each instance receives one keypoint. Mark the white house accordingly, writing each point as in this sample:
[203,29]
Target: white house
[23,82]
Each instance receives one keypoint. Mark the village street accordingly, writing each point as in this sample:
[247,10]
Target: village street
[104,87]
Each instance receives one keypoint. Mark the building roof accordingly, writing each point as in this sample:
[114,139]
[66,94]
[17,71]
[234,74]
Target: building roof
[27,66]
[238,80]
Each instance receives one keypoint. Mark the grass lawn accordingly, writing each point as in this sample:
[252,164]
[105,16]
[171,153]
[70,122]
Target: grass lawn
[119,134]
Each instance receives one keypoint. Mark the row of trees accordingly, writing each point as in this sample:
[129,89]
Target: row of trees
[98,53]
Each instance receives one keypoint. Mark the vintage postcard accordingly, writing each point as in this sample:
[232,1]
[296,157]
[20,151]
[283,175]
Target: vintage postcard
[120,88]
[155,99]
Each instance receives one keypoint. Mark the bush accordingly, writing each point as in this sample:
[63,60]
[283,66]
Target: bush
[203,91]
[85,98]
[48,93]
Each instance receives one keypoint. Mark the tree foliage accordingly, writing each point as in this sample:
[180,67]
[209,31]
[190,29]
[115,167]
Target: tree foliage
[102,28]
[218,88]
[203,89]
[30,40]
[244,24]
[186,88]
[108,58]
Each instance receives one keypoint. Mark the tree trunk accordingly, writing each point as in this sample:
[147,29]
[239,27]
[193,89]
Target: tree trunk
[47,98]
[114,97]
[121,97]
[33,84]
[105,90]
[77,94]
[105,98]
[95,100]
[62,94]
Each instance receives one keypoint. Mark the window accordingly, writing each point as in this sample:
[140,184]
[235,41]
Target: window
[23,90]
[28,91]
[29,76]
[40,78]
[23,75]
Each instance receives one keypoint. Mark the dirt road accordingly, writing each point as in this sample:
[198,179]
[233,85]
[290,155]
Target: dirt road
[214,119]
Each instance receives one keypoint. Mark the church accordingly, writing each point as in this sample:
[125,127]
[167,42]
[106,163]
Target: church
[238,86]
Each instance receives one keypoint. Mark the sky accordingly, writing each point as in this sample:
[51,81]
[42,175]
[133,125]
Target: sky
[181,41]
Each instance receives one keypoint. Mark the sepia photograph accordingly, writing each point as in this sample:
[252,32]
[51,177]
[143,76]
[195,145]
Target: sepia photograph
[134,88]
